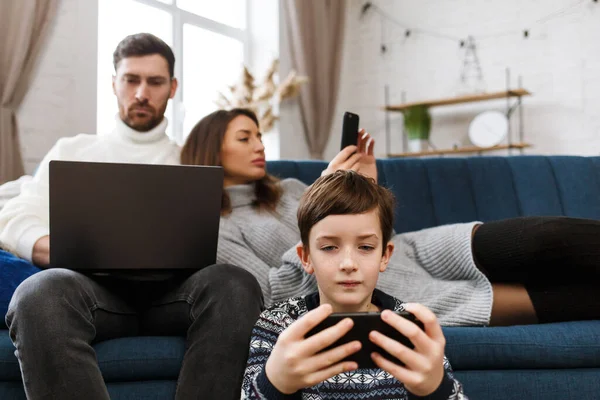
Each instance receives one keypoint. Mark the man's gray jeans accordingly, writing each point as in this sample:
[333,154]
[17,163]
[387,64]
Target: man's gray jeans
[55,316]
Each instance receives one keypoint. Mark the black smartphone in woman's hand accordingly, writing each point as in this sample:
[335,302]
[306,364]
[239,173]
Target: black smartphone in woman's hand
[349,130]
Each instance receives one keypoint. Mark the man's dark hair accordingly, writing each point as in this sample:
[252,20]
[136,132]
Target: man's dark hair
[144,44]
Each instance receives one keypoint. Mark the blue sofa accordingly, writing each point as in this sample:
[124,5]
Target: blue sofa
[548,361]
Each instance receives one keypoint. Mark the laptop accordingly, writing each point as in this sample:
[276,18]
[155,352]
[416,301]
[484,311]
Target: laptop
[110,216]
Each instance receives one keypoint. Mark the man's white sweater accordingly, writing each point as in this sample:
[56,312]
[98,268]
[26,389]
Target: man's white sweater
[25,218]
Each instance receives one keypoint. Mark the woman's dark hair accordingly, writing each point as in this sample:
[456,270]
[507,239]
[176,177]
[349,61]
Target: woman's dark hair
[203,147]
[144,44]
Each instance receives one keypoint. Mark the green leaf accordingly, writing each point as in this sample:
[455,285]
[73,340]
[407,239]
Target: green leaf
[417,122]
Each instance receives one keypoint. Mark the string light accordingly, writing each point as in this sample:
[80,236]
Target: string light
[409,30]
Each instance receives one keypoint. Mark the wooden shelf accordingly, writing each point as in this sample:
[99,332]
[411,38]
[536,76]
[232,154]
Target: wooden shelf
[462,150]
[461,99]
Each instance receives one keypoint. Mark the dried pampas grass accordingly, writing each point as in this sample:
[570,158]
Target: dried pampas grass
[263,98]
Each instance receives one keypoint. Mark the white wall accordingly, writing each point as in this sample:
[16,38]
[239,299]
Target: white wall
[559,63]
[62,97]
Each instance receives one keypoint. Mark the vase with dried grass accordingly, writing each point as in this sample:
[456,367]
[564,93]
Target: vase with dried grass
[264,97]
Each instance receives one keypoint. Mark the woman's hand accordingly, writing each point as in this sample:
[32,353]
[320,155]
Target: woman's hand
[295,362]
[423,371]
[358,158]
[367,164]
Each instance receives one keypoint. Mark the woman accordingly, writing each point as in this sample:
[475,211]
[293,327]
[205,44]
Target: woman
[498,273]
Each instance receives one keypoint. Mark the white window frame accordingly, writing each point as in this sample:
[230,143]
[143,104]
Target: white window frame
[181,17]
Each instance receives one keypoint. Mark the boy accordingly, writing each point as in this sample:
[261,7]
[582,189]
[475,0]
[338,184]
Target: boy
[345,222]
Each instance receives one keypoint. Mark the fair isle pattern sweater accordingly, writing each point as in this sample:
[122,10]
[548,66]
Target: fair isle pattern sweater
[433,266]
[363,384]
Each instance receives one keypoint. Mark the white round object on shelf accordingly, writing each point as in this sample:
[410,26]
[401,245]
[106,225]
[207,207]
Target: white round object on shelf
[488,129]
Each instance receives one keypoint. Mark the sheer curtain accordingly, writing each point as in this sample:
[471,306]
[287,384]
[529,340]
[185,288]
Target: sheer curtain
[24,27]
[315,36]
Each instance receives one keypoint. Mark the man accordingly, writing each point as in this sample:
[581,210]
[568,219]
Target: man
[56,314]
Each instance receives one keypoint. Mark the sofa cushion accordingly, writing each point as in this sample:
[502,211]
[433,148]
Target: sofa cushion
[143,390]
[432,192]
[306,171]
[545,346]
[13,271]
[12,391]
[140,358]
[121,360]
[9,366]
[546,384]
[557,345]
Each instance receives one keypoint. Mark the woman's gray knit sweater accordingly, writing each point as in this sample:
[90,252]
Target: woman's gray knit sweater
[433,266]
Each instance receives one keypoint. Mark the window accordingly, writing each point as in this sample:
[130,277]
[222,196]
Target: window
[211,62]
[209,39]
[228,12]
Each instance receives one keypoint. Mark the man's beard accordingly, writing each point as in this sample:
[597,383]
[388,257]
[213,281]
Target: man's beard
[144,126]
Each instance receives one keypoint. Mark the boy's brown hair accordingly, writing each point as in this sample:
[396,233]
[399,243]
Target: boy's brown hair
[343,193]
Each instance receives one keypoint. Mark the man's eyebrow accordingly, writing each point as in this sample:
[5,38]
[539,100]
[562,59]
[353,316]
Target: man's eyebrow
[153,77]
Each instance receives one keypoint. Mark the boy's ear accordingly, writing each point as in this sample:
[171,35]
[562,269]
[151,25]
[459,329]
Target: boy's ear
[387,254]
[304,258]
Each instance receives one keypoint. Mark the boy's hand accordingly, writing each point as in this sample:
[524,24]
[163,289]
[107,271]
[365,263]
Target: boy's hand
[423,371]
[294,363]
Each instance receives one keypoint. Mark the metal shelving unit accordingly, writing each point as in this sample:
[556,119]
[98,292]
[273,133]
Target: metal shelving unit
[513,103]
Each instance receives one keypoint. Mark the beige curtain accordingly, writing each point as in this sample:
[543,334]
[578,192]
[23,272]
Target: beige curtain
[315,36]
[24,26]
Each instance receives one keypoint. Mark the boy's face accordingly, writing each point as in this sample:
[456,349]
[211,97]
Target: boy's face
[345,254]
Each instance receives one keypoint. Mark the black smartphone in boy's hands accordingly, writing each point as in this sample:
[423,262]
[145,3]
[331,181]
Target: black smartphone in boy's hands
[364,323]
[349,130]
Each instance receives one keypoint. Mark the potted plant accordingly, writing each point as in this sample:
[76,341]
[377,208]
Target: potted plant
[417,125]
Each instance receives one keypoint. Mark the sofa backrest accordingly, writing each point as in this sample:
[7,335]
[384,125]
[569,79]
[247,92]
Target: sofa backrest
[438,191]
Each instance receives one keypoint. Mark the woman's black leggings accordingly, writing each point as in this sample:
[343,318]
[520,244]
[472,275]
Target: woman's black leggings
[557,259]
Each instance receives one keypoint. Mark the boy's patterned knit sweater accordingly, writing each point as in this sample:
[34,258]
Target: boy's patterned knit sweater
[363,384]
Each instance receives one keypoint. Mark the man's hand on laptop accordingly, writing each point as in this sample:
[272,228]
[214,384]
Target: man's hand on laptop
[41,252]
